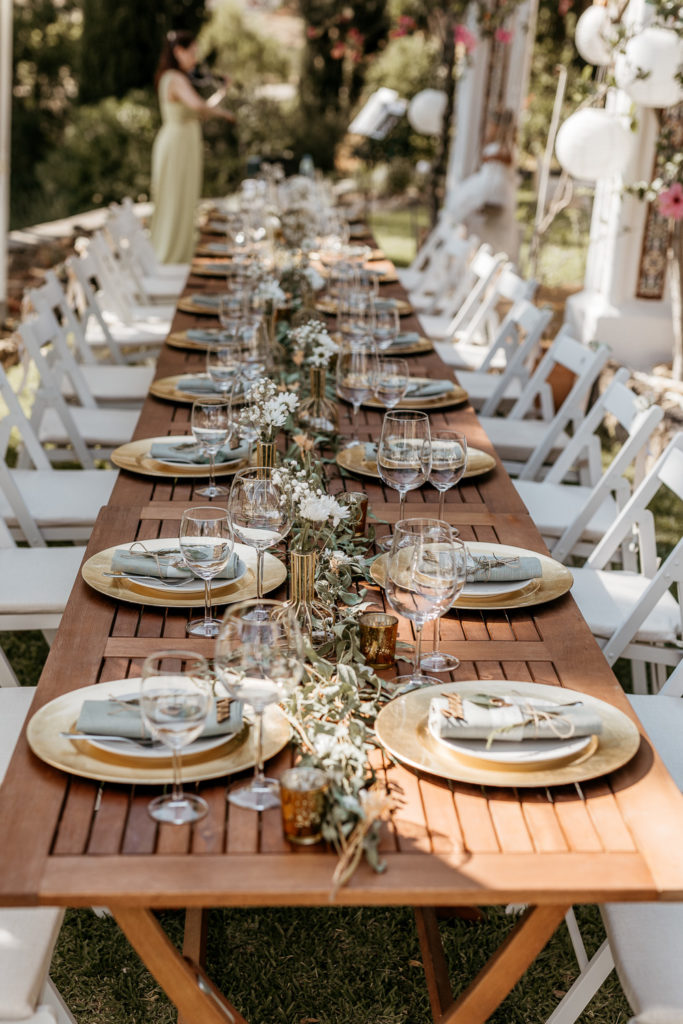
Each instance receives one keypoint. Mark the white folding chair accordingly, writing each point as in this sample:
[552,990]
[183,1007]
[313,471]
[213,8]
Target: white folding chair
[531,443]
[118,287]
[572,517]
[154,281]
[428,257]
[517,341]
[635,614]
[475,276]
[446,285]
[644,940]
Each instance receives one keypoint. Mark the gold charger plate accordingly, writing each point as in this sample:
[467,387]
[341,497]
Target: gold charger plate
[84,759]
[135,457]
[555,581]
[167,389]
[418,348]
[92,571]
[188,306]
[179,339]
[353,459]
[329,307]
[456,396]
[402,728]
[219,266]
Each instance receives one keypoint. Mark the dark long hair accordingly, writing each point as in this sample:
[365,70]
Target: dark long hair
[167,61]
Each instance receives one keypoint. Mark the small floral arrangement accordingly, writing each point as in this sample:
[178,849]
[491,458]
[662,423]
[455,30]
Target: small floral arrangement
[299,226]
[267,409]
[313,340]
[270,294]
[315,514]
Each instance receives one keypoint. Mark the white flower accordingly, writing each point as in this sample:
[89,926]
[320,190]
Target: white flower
[318,508]
[268,290]
[314,278]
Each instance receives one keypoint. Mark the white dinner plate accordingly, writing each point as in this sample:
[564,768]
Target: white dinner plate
[494,588]
[192,586]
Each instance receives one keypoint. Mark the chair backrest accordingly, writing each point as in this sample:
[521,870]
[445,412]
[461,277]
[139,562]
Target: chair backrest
[585,362]
[85,279]
[638,420]
[518,338]
[50,297]
[127,225]
[667,471]
[495,281]
[117,288]
[673,687]
[449,278]
[483,269]
[435,241]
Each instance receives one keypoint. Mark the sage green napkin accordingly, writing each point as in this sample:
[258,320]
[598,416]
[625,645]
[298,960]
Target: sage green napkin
[208,301]
[520,719]
[166,563]
[123,718]
[219,247]
[198,386]
[405,339]
[489,568]
[210,335]
[429,388]
[186,453]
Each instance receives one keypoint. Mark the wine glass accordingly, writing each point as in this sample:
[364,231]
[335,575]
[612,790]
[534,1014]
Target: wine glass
[206,544]
[390,381]
[175,699]
[258,513]
[449,461]
[253,350]
[211,428]
[404,454]
[386,324]
[259,657]
[222,364]
[355,315]
[423,569]
[355,365]
[230,313]
[436,660]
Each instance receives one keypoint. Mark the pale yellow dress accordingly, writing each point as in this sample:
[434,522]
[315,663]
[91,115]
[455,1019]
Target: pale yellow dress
[177,170]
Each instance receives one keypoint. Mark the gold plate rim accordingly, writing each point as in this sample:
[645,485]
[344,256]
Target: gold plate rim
[179,339]
[187,306]
[58,715]
[483,463]
[166,389]
[133,457]
[274,574]
[456,396]
[555,581]
[401,729]
[330,308]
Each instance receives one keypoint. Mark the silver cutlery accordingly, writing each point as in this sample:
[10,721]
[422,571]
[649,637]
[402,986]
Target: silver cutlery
[143,741]
[167,582]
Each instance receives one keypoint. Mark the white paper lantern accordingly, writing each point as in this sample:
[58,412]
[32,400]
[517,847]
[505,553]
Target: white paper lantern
[426,110]
[593,144]
[647,68]
[594,29]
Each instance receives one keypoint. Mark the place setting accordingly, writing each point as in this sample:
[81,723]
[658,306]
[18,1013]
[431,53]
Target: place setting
[361,459]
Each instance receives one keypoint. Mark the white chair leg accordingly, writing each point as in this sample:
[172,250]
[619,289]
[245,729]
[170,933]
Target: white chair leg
[49,635]
[51,997]
[7,676]
[576,939]
[584,988]
[639,677]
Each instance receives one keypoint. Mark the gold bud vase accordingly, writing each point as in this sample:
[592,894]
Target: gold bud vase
[317,411]
[266,454]
[314,618]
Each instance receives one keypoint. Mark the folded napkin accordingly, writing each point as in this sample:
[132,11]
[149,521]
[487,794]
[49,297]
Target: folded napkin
[489,568]
[189,454]
[405,338]
[211,334]
[208,301]
[385,304]
[122,718]
[429,388]
[509,717]
[198,386]
[371,451]
[218,247]
[166,563]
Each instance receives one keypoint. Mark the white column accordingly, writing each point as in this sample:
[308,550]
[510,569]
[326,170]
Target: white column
[5,140]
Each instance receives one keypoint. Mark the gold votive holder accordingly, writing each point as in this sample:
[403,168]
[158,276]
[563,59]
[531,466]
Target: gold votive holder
[302,795]
[378,633]
[357,502]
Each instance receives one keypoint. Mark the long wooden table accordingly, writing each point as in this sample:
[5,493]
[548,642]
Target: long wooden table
[72,842]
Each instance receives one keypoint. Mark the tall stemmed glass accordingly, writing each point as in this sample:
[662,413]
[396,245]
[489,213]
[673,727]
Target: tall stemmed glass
[222,366]
[404,454]
[258,513]
[423,570]
[259,657]
[437,660]
[211,427]
[206,544]
[449,461]
[386,325]
[355,366]
[175,699]
[390,381]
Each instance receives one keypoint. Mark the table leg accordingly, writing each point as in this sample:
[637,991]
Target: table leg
[184,982]
[500,975]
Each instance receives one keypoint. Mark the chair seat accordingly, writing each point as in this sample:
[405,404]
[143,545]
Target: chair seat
[468,355]
[149,335]
[606,598]
[108,427]
[480,385]
[65,497]
[37,580]
[554,507]
[517,439]
[14,704]
[27,939]
[166,286]
[114,383]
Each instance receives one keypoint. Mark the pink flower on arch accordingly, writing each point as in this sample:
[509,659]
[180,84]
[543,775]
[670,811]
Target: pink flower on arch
[503,36]
[670,202]
[465,38]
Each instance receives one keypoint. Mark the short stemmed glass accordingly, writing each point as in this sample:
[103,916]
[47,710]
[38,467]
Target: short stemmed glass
[259,657]
[386,325]
[449,461]
[175,699]
[211,427]
[230,314]
[222,365]
[206,544]
[423,571]
[404,454]
[259,514]
[436,660]
[355,366]
[390,381]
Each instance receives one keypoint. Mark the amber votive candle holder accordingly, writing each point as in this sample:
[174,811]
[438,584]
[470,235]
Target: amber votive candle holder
[378,634]
[302,796]
[357,502]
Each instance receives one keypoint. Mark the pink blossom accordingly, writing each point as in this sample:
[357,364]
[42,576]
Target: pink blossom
[312,32]
[670,202]
[465,37]
[338,50]
[503,36]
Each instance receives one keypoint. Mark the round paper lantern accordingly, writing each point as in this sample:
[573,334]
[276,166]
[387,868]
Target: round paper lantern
[593,144]
[647,68]
[426,110]
[593,31]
